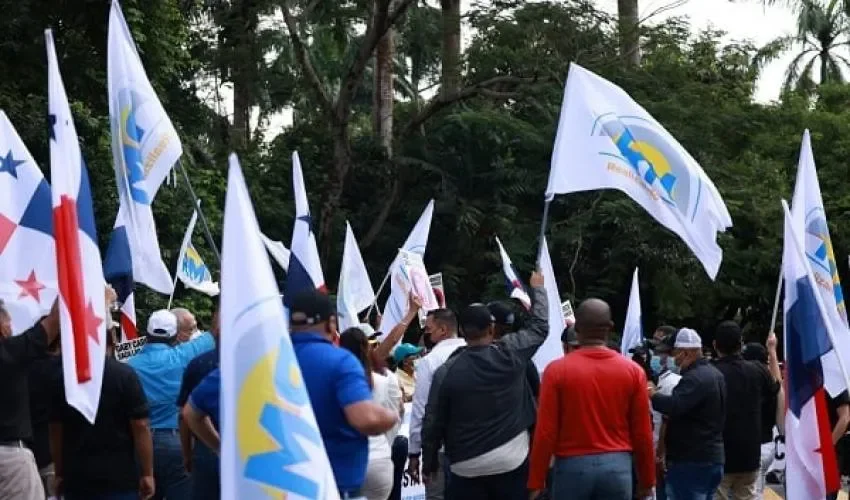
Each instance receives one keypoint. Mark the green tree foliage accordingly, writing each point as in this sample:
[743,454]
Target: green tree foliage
[482,151]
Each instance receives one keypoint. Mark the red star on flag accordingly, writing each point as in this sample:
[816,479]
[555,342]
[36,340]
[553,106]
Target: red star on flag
[30,287]
[7,227]
[92,323]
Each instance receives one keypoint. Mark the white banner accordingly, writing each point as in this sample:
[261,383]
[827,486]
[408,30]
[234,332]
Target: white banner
[410,489]
[126,350]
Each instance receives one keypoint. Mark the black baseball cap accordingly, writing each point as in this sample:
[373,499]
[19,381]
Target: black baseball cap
[569,336]
[476,317]
[311,307]
[503,313]
[665,345]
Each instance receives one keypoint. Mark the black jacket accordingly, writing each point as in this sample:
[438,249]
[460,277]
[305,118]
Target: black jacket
[480,397]
[697,412]
[748,387]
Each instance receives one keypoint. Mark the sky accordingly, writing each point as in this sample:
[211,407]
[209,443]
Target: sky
[741,19]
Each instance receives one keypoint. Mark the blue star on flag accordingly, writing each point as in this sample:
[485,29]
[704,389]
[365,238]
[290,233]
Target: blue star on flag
[309,220]
[10,164]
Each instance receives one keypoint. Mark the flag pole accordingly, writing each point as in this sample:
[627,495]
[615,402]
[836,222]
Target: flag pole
[818,299]
[197,204]
[380,289]
[543,229]
[173,289]
[776,302]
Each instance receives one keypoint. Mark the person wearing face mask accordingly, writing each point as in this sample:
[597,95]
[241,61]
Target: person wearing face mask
[696,413]
[668,377]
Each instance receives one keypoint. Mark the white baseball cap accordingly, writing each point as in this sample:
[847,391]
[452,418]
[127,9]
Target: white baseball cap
[162,324]
[687,339]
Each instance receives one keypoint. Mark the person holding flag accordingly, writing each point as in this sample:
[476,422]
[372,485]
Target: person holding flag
[19,477]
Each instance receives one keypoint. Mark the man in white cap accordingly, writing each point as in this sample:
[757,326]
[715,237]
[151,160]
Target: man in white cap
[696,412]
[160,365]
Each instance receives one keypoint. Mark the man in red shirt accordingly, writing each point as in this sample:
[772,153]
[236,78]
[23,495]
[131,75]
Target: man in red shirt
[594,417]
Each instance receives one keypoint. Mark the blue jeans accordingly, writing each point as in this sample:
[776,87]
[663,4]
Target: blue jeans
[130,495]
[693,481]
[172,480]
[206,480]
[604,476]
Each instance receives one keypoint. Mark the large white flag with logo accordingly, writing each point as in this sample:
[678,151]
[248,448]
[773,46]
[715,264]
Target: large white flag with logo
[271,445]
[145,147]
[809,220]
[416,242]
[606,140]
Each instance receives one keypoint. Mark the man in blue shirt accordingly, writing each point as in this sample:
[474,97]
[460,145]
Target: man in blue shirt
[160,365]
[337,386]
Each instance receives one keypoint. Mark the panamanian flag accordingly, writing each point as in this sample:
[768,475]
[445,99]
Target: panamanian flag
[514,285]
[81,285]
[305,270]
[811,464]
[28,284]
[118,271]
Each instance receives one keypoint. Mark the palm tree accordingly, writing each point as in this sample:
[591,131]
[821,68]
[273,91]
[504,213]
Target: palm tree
[627,19]
[822,36]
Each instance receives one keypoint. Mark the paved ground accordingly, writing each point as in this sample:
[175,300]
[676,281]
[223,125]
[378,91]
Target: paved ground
[776,493]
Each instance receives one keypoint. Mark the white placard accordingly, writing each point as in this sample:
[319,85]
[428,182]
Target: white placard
[126,350]
[410,489]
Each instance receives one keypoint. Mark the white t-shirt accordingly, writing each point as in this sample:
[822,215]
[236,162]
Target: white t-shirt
[387,393]
[666,382]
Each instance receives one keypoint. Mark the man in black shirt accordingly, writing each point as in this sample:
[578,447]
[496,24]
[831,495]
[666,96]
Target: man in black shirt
[103,460]
[44,374]
[199,460]
[748,386]
[19,478]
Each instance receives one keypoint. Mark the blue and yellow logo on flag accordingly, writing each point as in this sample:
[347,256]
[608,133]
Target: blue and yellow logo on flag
[823,259]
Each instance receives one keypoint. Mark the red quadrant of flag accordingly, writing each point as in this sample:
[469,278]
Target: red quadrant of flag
[7,227]
[71,286]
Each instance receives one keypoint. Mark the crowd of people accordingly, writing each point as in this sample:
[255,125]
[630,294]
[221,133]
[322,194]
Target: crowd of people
[667,423]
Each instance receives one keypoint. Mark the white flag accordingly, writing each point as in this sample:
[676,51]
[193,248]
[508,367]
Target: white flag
[606,140]
[355,291]
[632,330]
[809,219]
[191,269]
[145,148]
[277,250]
[417,241]
[552,348]
[270,442]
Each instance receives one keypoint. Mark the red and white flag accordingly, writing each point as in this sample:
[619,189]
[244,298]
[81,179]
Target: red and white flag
[81,283]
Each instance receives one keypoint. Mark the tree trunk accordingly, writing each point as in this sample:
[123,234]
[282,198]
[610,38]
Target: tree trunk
[383,99]
[451,46]
[333,200]
[627,11]
[244,20]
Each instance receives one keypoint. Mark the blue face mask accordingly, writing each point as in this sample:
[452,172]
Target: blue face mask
[655,365]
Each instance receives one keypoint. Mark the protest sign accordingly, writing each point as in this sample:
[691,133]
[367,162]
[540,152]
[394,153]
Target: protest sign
[569,317]
[411,276]
[125,350]
[410,488]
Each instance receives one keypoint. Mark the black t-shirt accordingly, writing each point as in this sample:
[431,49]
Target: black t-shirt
[768,412]
[196,370]
[748,386]
[101,458]
[43,377]
[16,356]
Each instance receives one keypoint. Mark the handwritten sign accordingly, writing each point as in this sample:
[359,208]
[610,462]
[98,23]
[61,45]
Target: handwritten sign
[126,350]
